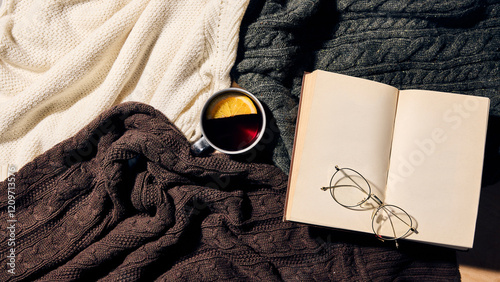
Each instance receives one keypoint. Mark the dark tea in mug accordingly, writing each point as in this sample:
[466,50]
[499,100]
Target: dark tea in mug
[233,133]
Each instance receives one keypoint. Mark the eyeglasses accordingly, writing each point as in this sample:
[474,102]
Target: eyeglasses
[351,190]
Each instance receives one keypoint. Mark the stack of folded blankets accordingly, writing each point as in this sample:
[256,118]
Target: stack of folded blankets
[100,101]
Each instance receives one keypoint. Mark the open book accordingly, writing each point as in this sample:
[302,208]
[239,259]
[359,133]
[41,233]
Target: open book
[420,150]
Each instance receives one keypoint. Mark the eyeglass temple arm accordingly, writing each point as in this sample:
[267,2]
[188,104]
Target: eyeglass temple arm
[336,186]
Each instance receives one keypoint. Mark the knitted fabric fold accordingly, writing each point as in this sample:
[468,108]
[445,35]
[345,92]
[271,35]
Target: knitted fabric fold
[125,200]
[63,63]
[448,46]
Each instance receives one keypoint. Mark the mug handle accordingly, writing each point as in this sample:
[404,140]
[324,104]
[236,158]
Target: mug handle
[200,147]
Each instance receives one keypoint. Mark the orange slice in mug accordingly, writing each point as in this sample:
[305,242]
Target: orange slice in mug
[230,105]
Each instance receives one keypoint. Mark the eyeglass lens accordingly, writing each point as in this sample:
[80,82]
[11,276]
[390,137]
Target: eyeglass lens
[351,188]
[391,222]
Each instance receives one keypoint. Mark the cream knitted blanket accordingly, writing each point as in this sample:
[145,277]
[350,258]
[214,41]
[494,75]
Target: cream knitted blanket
[65,62]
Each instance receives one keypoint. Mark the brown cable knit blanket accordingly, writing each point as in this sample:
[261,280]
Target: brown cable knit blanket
[124,199]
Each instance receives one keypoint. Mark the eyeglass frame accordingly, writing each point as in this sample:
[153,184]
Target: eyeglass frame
[377,200]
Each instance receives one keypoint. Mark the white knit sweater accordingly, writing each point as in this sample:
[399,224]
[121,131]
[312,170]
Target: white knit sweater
[64,62]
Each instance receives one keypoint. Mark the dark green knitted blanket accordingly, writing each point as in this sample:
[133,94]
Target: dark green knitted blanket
[442,45]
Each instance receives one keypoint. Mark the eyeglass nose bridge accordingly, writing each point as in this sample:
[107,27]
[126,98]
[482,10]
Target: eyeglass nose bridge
[366,203]
[376,199]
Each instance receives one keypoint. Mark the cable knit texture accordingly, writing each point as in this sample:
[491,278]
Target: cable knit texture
[64,62]
[124,200]
[442,45]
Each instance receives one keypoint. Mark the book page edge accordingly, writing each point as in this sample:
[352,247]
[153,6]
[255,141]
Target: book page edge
[307,85]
